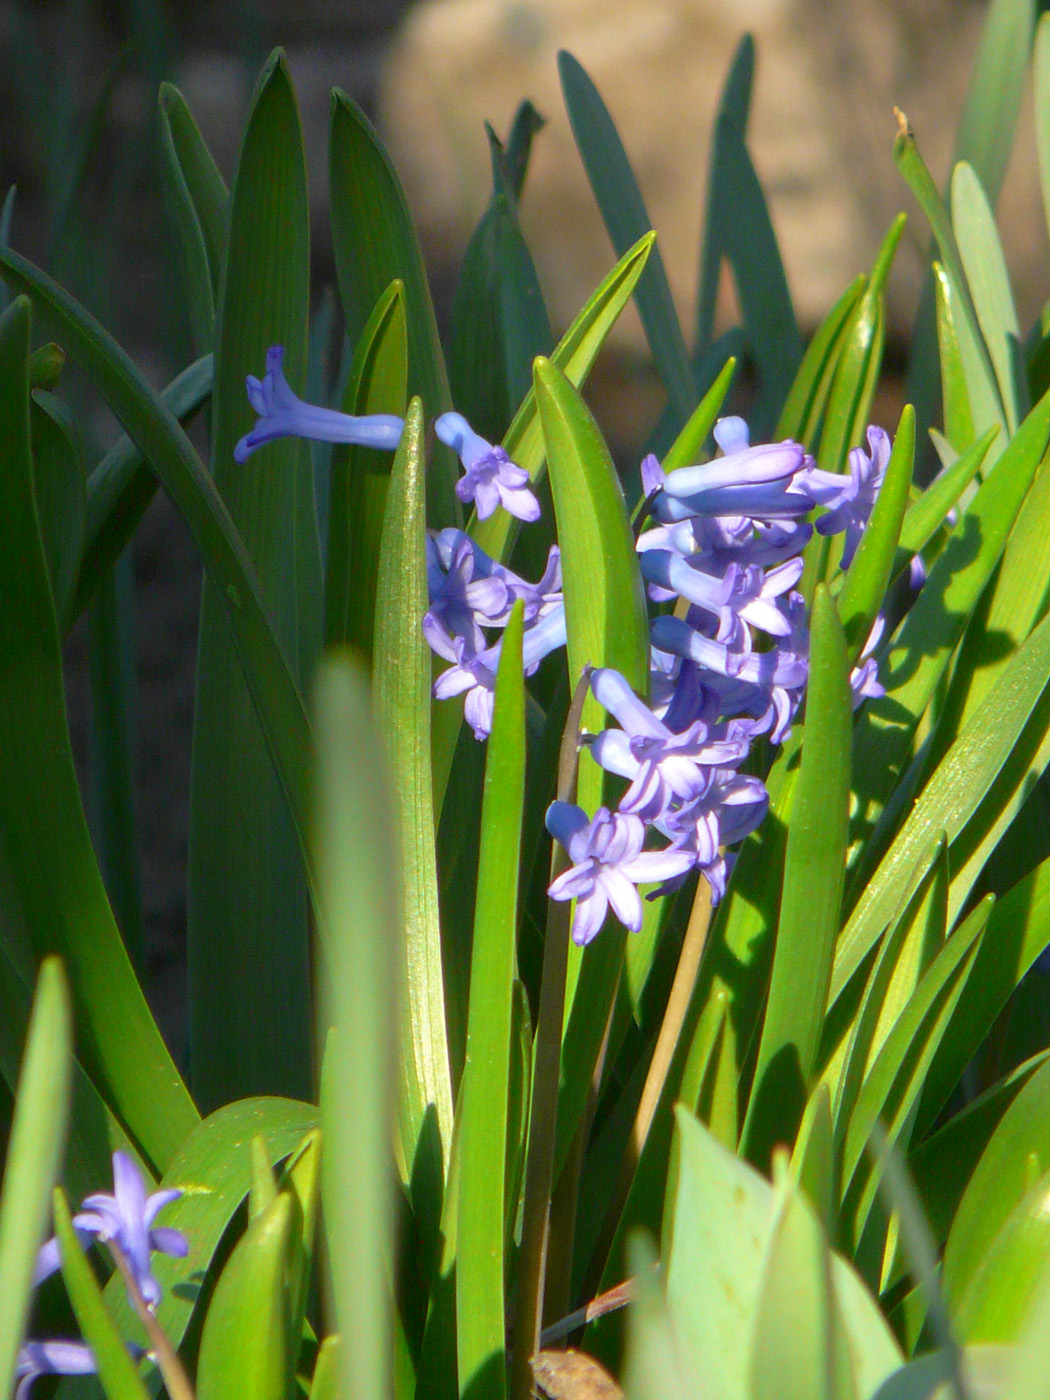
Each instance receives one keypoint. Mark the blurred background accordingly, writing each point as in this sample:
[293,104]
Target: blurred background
[78,82]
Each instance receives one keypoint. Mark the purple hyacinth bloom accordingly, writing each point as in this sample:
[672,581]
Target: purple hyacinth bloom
[54,1358]
[607,863]
[778,667]
[125,1218]
[850,509]
[461,601]
[492,479]
[475,672]
[744,594]
[731,806]
[661,765]
[283,414]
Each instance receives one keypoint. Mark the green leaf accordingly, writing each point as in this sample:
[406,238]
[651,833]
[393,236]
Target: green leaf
[116,1370]
[1012,604]
[982,258]
[54,877]
[121,486]
[972,769]
[483,1109]
[324,1384]
[60,486]
[925,516]
[982,389]
[930,632]
[626,220]
[1027,1375]
[739,229]
[191,250]
[401,675]
[1018,931]
[247,932]
[914,938]
[156,433]
[813,1157]
[894,1082]
[803,408]
[374,242]
[359,909]
[872,566]
[655,1367]
[606,625]
[34,1152]
[814,872]
[720,1220]
[943,1165]
[798,1351]
[986,128]
[1000,1294]
[246,1346]
[1019,1151]
[849,400]
[360,476]
[1041,81]
[499,320]
[574,354]
[955,397]
[205,186]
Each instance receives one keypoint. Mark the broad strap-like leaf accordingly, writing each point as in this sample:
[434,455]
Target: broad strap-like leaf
[54,873]
[247,933]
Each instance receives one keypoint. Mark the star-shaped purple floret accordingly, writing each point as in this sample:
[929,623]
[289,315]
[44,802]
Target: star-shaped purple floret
[124,1218]
[491,479]
[607,863]
[52,1358]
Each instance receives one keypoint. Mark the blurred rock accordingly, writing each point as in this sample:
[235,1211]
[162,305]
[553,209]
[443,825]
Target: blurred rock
[828,76]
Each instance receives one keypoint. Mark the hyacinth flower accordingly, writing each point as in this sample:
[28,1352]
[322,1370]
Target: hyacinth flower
[469,591]
[744,593]
[662,765]
[491,479]
[731,806]
[124,1219]
[283,414]
[474,672]
[53,1358]
[607,864]
[850,508]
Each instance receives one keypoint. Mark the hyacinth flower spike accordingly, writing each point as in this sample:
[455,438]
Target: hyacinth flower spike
[492,479]
[607,863]
[283,414]
[124,1219]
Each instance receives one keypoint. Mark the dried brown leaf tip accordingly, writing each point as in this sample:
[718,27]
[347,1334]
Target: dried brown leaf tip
[572,1375]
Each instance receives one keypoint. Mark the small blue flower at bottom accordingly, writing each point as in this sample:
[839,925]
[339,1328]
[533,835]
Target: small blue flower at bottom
[607,863]
[54,1358]
[283,414]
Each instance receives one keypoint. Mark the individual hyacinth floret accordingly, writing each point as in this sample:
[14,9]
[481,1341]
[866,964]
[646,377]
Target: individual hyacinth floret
[283,414]
[491,479]
[608,862]
[124,1219]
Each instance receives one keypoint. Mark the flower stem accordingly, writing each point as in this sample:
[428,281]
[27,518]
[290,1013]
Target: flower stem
[171,1368]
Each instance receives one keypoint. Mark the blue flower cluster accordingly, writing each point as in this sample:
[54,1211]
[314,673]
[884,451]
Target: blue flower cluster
[123,1221]
[729,663]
